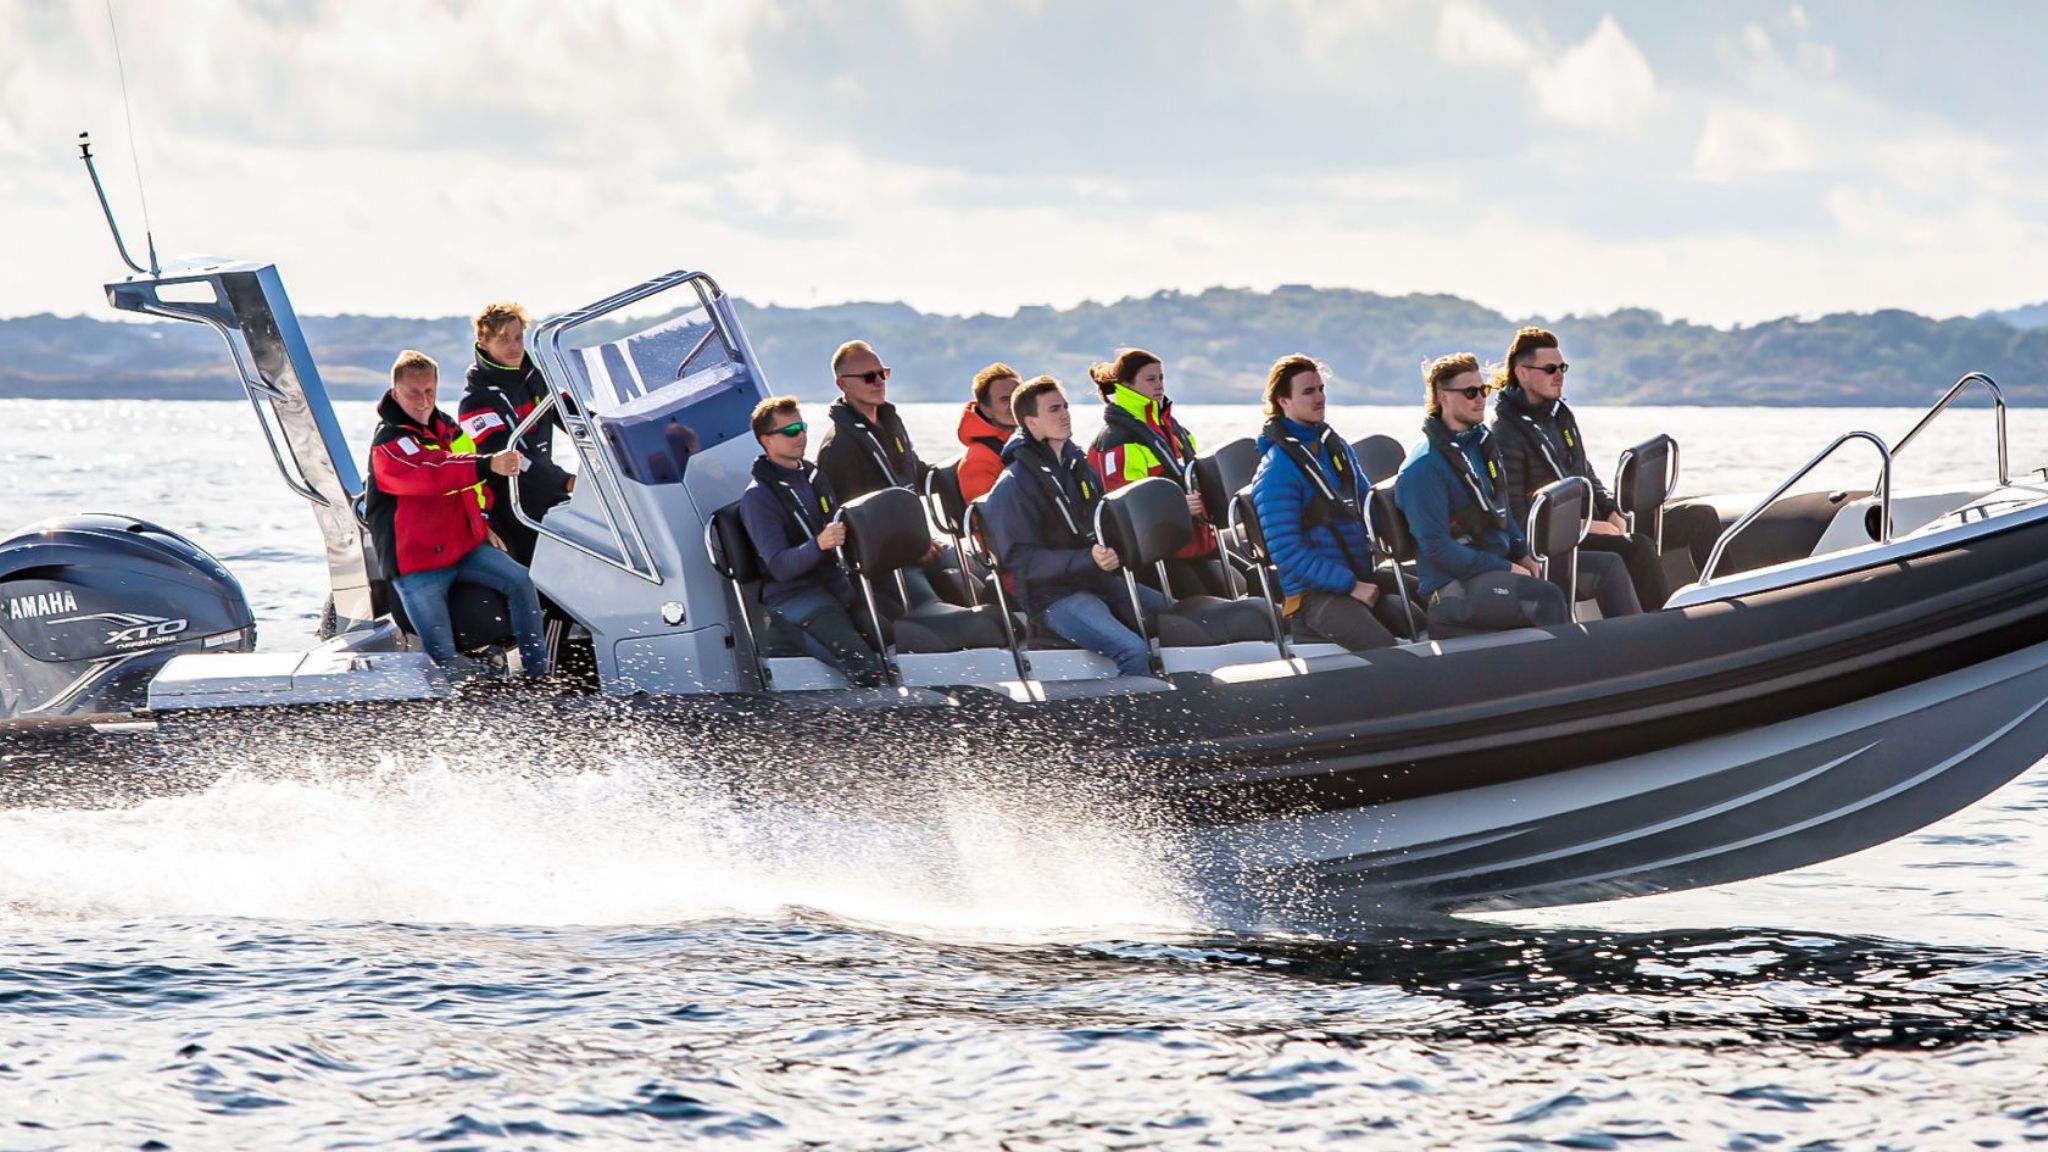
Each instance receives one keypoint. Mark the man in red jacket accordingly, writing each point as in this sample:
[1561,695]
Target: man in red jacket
[426,504]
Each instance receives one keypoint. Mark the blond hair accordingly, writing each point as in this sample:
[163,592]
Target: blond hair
[495,318]
[413,360]
[1440,370]
[847,351]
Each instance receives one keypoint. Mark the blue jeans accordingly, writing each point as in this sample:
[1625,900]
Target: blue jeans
[425,596]
[1086,619]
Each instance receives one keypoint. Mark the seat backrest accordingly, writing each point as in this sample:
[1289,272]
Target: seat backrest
[1147,521]
[1245,516]
[976,536]
[732,553]
[1389,523]
[942,492]
[1221,473]
[1379,456]
[885,530]
[1557,517]
[1642,483]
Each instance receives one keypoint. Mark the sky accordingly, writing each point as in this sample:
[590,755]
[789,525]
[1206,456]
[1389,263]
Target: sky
[1725,163]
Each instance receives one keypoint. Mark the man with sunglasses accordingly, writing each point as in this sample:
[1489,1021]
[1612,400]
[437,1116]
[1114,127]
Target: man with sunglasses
[1472,560]
[1540,444]
[788,514]
[866,448]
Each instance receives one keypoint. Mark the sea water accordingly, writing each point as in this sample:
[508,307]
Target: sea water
[534,938]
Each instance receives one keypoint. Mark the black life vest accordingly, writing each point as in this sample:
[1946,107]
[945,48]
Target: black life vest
[1078,514]
[1327,505]
[1515,414]
[870,438]
[1491,511]
[808,521]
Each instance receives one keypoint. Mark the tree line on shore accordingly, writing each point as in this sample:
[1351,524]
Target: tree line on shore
[1217,345]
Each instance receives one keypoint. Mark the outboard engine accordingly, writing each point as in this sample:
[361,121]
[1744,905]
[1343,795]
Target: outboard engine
[92,606]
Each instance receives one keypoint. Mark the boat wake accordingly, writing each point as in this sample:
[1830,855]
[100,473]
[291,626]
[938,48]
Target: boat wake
[438,836]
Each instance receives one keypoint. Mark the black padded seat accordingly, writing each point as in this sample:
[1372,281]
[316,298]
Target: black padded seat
[1220,474]
[1643,479]
[478,614]
[886,532]
[1379,456]
[942,496]
[1558,515]
[733,557]
[1148,521]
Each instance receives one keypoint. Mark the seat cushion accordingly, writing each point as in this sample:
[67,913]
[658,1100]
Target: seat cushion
[939,627]
[1199,621]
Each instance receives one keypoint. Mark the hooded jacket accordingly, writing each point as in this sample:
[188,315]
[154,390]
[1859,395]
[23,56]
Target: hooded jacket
[495,399]
[1041,513]
[1533,434]
[983,460]
[1432,494]
[1140,438]
[1312,552]
[860,456]
[425,499]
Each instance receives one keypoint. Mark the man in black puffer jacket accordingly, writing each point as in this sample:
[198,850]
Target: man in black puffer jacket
[1540,444]
[501,389]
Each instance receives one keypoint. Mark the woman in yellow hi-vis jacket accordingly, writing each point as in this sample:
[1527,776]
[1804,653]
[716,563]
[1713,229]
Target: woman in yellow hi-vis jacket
[1141,438]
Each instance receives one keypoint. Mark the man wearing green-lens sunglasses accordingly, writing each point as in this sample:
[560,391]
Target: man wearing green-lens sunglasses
[788,513]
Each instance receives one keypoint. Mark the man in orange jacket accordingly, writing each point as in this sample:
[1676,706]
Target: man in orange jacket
[985,426]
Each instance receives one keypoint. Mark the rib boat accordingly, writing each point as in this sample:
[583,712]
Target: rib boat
[1845,667]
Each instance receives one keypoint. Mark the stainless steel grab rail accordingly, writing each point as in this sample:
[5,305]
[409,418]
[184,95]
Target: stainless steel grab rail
[623,561]
[544,344]
[1947,398]
[1884,497]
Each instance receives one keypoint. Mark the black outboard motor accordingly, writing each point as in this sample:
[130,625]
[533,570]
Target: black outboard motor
[91,607]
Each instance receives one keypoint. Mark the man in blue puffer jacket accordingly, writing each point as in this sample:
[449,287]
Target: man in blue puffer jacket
[1472,561]
[1308,494]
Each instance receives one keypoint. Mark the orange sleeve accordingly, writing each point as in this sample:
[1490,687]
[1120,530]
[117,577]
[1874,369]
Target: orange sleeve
[978,472]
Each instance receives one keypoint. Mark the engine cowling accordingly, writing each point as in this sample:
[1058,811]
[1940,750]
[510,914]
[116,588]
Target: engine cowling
[92,606]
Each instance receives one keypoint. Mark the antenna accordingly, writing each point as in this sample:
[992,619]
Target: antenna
[128,113]
[85,154]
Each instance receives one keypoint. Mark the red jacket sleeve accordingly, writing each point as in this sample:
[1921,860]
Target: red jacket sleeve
[405,467]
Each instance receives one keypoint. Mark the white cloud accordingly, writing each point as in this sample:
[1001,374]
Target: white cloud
[1738,141]
[1468,33]
[1603,82]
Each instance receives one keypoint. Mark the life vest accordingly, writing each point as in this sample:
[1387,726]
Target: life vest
[1327,504]
[1076,515]
[1489,512]
[1146,449]
[870,438]
[1517,416]
[808,520]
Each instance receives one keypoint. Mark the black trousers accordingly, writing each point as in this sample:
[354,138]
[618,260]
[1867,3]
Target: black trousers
[1497,601]
[1342,620]
[1645,570]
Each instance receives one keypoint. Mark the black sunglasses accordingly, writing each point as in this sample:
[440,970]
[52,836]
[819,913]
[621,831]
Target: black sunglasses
[874,377]
[1472,392]
[1550,369]
[792,430]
